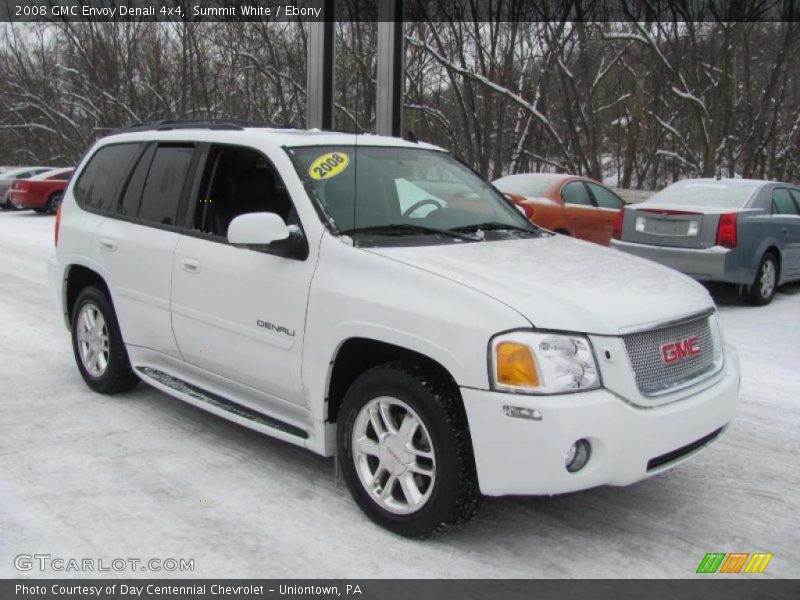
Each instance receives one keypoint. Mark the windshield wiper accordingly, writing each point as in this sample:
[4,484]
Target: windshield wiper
[493,226]
[408,229]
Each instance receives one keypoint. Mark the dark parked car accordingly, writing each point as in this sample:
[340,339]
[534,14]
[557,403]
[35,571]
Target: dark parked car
[741,231]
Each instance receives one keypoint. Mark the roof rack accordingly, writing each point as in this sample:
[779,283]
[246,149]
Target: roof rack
[171,124]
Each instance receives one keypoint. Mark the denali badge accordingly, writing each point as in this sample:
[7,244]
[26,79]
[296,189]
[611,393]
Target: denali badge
[675,351]
[275,328]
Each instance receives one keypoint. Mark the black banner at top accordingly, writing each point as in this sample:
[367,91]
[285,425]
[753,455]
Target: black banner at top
[413,10]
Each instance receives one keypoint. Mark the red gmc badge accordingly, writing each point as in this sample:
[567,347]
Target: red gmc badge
[675,351]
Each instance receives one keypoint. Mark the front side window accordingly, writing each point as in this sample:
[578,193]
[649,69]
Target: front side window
[99,181]
[399,191]
[165,181]
[575,192]
[237,181]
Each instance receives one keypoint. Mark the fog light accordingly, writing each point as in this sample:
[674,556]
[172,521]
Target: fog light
[578,455]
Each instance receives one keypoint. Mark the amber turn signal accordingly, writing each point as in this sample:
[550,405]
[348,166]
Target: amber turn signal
[516,366]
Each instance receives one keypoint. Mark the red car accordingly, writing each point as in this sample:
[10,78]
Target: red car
[41,192]
[567,204]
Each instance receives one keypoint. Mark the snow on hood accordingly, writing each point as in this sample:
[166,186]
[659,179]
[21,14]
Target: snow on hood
[560,283]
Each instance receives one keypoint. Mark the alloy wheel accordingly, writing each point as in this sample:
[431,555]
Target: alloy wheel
[394,455]
[767,279]
[93,344]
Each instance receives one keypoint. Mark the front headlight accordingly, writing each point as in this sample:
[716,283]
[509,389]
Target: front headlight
[533,362]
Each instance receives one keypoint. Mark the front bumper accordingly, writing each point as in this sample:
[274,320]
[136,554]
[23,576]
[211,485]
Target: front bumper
[521,456]
[710,264]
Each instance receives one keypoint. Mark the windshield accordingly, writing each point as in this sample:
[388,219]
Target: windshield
[526,185]
[403,191]
[705,193]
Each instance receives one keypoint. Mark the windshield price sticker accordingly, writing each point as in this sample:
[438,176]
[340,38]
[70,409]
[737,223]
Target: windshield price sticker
[328,165]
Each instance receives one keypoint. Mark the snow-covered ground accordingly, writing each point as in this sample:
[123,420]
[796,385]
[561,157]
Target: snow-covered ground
[146,476]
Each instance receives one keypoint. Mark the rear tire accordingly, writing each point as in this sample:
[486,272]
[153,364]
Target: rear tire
[97,344]
[53,202]
[765,284]
[416,477]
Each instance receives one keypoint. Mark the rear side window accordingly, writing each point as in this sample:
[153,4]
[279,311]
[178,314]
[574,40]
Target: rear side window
[165,180]
[605,198]
[132,196]
[782,203]
[576,193]
[97,185]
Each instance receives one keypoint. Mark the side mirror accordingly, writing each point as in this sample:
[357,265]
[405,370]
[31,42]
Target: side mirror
[257,229]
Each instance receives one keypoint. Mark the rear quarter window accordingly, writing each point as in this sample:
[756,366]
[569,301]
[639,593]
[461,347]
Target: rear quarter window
[100,180]
[782,202]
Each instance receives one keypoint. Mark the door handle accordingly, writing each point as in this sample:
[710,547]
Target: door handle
[108,244]
[191,265]
[785,231]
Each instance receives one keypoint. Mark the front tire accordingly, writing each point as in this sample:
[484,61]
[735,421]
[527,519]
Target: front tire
[406,452]
[97,344]
[765,284]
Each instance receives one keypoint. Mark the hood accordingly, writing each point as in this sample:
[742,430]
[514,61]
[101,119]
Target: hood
[561,283]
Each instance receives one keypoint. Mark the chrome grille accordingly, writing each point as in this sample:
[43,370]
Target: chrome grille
[653,374]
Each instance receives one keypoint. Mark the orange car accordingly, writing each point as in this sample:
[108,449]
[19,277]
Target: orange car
[568,204]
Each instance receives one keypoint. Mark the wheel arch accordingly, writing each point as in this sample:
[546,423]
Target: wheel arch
[76,278]
[767,246]
[356,355]
[775,251]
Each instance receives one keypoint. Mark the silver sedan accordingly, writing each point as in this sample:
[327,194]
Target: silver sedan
[740,231]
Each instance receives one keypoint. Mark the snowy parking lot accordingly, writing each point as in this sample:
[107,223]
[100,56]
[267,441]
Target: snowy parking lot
[143,475]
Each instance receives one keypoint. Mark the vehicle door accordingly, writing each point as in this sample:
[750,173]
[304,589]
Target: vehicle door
[786,217]
[608,204]
[237,312]
[136,244]
[581,212]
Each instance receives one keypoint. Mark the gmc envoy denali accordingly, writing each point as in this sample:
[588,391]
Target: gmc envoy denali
[375,300]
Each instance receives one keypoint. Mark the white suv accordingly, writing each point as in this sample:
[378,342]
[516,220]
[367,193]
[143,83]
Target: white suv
[375,300]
